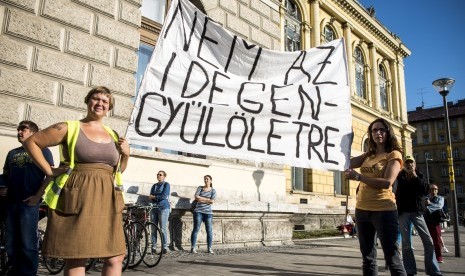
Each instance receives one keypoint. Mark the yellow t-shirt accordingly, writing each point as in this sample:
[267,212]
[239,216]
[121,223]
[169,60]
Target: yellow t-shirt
[372,199]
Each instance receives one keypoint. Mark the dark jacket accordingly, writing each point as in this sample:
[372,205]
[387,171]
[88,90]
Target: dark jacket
[411,193]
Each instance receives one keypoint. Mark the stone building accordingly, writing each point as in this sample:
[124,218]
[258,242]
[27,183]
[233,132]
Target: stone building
[53,51]
[429,147]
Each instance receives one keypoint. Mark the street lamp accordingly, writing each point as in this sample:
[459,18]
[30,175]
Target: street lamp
[443,86]
[427,172]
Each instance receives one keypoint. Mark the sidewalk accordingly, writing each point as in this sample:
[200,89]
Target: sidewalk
[335,256]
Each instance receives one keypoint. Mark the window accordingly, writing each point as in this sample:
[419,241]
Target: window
[446,188]
[443,155]
[298,178]
[338,183]
[424,127]
[292,40]
[153,14]
[292,32]
[441,138]
[144,53]
[459,188]
[414,141]
[154,10]
[455,137]
[453,123]
[360,73]
[444,171]
[425,140]
[427,155]
[328,34]
[440,125]
[383,88]
[456,154]
[457,170]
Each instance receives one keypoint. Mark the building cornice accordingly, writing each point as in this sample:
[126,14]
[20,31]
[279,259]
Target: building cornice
[360,15]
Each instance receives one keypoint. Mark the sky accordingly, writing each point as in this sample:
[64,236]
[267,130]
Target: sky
[434,31]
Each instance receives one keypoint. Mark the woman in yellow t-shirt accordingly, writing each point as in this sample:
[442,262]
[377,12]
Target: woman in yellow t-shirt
[376,210]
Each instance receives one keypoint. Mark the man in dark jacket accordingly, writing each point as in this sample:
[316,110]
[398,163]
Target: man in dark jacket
[23,180]
[410,195]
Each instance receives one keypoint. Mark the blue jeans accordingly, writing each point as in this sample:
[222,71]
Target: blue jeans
[385,224]
[160,217]
[431,264]
[208,220]
[22,241]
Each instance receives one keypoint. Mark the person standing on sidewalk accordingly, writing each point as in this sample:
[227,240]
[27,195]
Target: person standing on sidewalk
[23,179]
[411,191]
[434,203]
[205,196]
[159,195]
[375,210]
[87,221]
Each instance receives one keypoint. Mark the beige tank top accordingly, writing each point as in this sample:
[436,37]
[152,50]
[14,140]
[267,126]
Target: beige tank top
[88,151]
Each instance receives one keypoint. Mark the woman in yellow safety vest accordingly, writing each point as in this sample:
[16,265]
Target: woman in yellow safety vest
[85,220]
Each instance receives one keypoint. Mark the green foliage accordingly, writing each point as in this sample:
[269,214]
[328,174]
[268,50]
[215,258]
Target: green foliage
[315,234]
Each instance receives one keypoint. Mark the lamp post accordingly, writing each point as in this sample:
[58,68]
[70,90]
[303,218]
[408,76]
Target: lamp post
[427,171]
[443,86]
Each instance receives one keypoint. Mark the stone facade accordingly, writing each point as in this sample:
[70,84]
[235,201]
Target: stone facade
[52,52]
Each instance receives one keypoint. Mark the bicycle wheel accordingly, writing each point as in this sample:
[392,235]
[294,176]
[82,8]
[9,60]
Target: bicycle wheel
[3,255]
[54,265]
[155,249]
[90,263]
[137,237]
[128,250]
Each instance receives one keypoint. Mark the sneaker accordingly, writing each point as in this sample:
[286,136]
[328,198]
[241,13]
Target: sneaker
[194,251]
[210,251]
[166,250]
[444,248]
[441,261]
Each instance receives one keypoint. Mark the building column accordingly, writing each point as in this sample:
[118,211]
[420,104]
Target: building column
[402,92]
[306,35]
[374,77]
[394,89]
[315,22]
[347,28]
[369,95]
[389,98]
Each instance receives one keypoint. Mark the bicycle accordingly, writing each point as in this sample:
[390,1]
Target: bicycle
[153,257]
[3,254]
[136,237]
[3,214]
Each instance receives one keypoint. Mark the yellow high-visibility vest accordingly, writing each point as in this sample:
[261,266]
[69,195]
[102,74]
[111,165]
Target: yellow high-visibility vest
[53,190]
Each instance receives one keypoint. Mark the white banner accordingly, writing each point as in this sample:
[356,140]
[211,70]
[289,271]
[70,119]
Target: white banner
[207,91]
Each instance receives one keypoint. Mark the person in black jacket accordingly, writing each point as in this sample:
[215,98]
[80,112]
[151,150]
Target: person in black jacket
[411,191]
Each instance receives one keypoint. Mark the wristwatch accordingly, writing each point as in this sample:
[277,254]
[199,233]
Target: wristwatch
[357,177]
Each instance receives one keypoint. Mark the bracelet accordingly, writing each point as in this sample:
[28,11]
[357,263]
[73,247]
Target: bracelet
[357,177]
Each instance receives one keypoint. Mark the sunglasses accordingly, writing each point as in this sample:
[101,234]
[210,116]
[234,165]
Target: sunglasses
[22,127]
[375,130]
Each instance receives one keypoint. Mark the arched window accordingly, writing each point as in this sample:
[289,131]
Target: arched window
[359,73]
[383,88]
[292,29]
[328,34]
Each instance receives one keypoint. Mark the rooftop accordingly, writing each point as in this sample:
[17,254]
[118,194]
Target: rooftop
[427,114]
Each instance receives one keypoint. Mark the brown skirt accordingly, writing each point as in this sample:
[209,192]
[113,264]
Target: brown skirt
[88,220]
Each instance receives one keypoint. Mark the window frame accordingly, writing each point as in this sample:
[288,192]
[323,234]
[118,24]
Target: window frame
[292,26]
[383,93]
[360,76]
